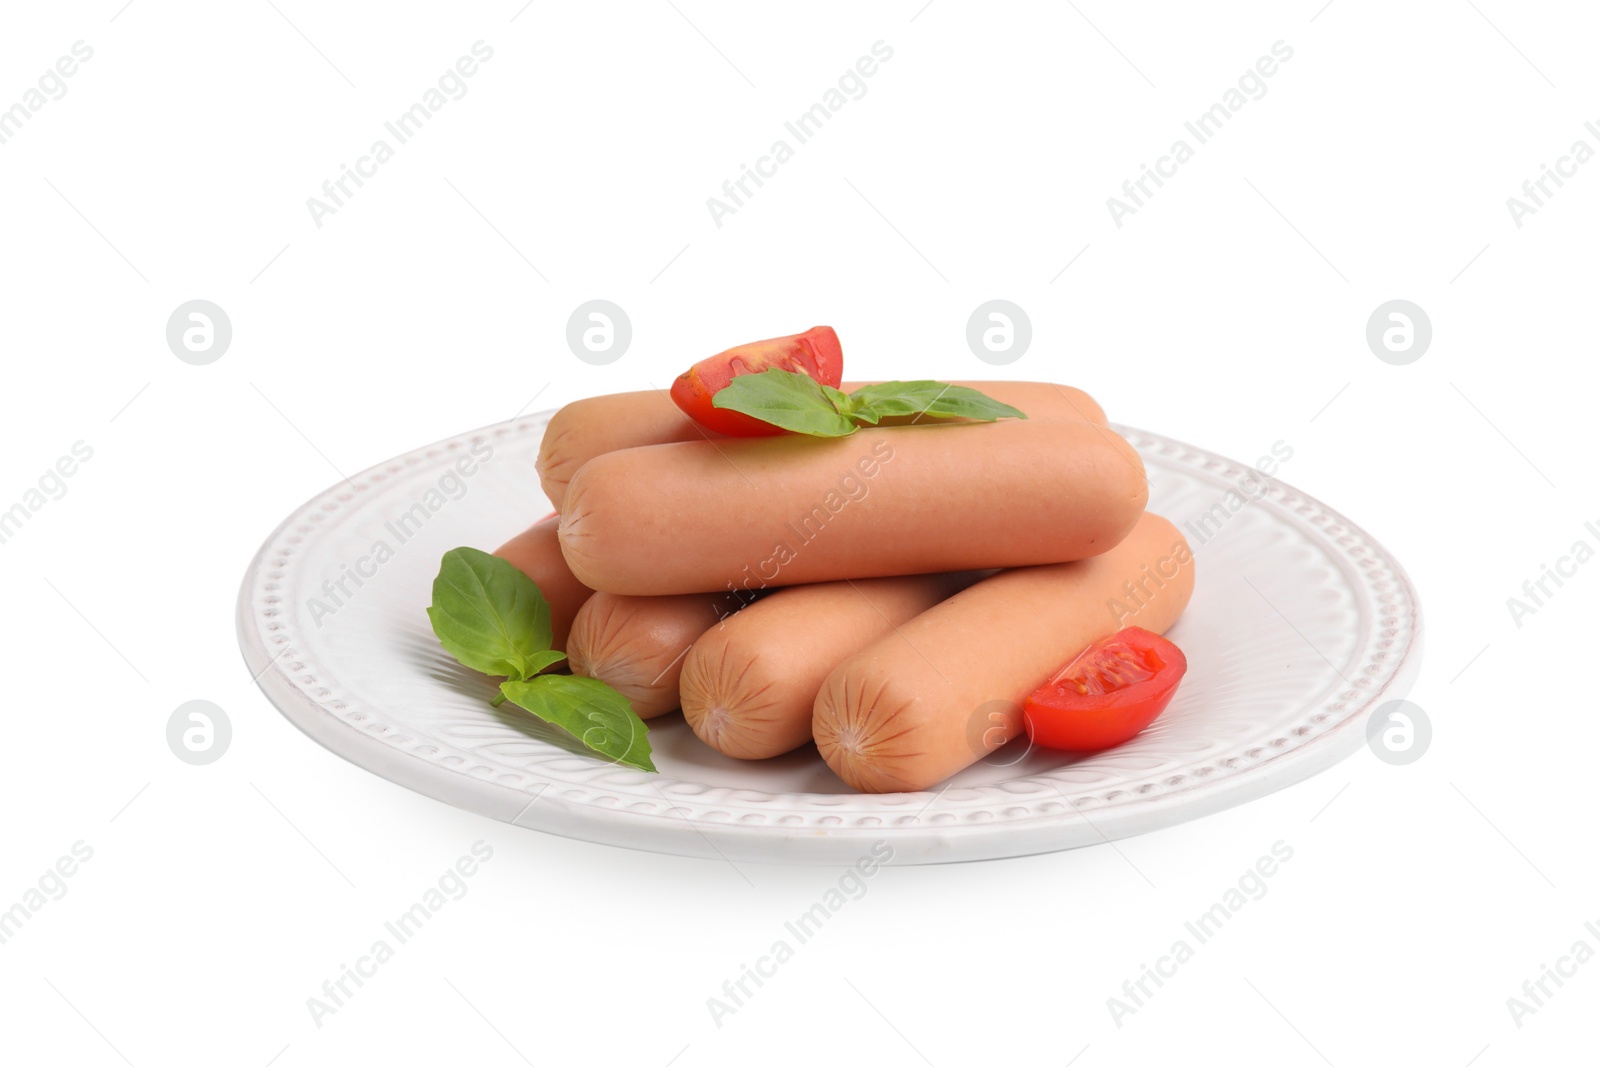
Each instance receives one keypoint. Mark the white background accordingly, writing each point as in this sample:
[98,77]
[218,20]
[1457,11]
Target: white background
[1229,312]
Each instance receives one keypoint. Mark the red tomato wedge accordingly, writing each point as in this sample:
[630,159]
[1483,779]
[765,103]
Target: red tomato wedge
[1107,694]
[815,352]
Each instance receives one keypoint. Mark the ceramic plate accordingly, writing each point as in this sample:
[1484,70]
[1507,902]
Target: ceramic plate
[1300,625]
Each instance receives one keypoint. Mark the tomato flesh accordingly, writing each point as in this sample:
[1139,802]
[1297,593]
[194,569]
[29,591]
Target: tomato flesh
[1108,693]
[815,352]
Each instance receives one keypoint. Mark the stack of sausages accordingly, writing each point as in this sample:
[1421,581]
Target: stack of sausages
[894,595]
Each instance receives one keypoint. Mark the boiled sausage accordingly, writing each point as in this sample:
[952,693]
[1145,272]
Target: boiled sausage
[748,685]
[698,516]
[587,428]
[918,705]
[637,645]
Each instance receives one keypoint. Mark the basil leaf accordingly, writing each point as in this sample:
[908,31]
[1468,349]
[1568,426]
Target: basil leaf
[934,399]
[786,399]
[492,617]
[589,710]
[540,660]
[848,407]
[801,404]
[489,615]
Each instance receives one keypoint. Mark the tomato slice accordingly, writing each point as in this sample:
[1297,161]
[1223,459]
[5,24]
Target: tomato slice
[1107,694]
[815,352]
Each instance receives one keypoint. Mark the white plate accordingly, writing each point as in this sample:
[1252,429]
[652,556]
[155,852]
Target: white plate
[1300,625]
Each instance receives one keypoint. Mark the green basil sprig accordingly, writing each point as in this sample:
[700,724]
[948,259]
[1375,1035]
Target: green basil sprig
[801,404]
[493,618]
